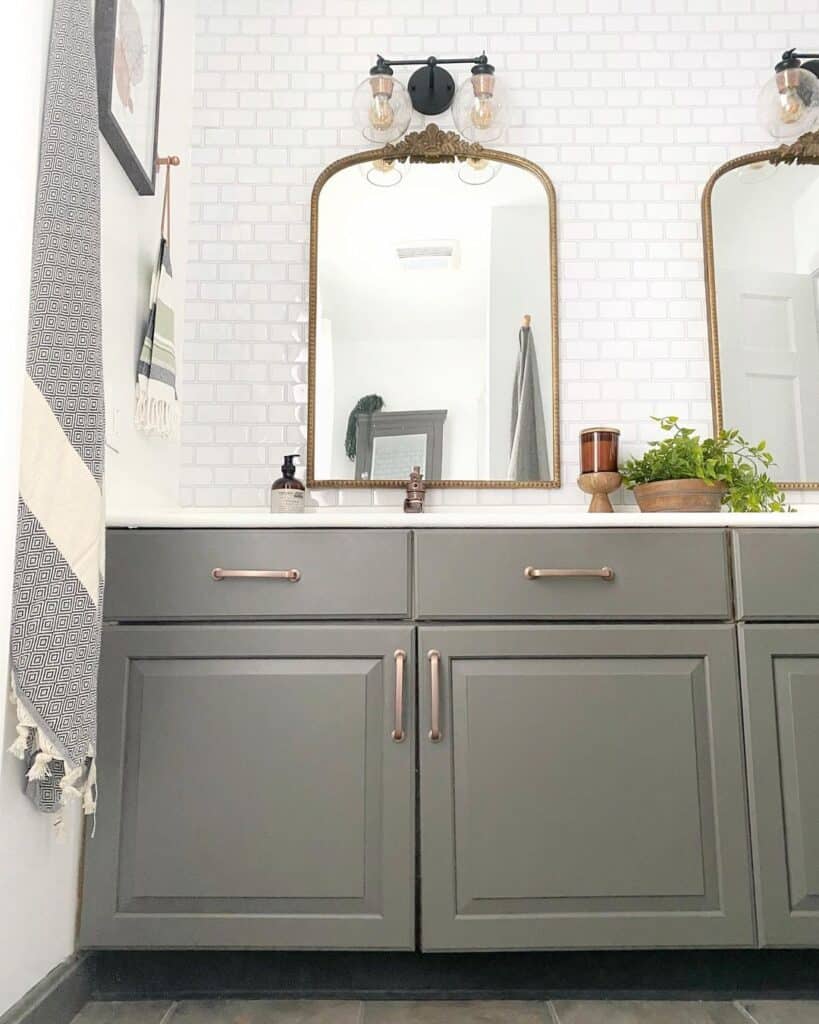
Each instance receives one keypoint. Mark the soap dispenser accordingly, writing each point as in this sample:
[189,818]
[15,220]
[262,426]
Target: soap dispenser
[287,493]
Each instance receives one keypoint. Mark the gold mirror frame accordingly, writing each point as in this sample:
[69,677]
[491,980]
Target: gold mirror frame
[431,146]
[804,151]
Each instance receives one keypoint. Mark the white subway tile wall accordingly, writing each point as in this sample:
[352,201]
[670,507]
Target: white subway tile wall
[628,104]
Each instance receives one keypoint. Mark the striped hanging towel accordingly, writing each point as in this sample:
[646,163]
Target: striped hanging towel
[157,406]
[58,584]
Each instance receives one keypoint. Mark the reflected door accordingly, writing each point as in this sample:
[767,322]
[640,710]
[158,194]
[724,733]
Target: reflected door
[768,331]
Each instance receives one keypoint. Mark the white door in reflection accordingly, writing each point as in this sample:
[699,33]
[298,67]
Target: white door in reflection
[766,262]
[769,332]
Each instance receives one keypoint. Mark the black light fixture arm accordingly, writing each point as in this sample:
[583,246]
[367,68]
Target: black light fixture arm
[431,87]
[793,59]
[382,63]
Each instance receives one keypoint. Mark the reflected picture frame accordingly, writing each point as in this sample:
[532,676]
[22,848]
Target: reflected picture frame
[128,41]
[424,423]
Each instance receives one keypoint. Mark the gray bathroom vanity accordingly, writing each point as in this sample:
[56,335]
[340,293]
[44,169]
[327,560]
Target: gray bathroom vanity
[458,739]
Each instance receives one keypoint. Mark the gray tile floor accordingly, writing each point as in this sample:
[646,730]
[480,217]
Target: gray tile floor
[263,1011]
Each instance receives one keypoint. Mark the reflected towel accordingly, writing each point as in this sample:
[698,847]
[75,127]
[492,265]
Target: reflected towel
[528,456]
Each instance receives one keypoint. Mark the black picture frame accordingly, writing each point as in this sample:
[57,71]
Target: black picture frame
[429,422]
[105,24]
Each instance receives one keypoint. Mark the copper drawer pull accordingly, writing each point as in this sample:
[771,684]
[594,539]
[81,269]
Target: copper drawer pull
[435,695]
[601,574]
[398,733]
[291,575]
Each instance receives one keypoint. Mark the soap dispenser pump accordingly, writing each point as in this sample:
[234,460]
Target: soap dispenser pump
[287,493]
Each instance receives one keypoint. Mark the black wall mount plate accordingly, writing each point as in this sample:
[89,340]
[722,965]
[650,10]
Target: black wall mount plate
[431,89]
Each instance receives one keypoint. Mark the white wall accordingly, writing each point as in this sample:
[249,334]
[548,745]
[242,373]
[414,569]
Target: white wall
[145,471]
[806,228]
[756,217]
[628,106]
[39,872]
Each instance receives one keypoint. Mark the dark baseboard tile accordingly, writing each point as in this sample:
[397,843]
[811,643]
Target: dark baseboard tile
[211,974]
[627,974]
[59,997]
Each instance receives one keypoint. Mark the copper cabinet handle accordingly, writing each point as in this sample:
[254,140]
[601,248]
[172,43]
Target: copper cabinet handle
[398,733]
[601,574]
[435,695]
[291,575]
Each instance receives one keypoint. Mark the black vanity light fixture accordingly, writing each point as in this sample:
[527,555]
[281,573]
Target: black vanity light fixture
[789,103]
[383,105]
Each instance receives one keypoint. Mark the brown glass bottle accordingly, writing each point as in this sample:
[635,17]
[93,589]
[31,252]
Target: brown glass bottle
[287,493]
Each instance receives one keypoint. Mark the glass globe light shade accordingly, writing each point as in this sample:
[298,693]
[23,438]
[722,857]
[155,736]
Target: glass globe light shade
[477,170]
[384,173]
[789,103]
[382,108]
[480,109]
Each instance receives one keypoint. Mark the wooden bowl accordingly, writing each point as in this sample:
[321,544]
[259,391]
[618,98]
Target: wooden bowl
[680,496]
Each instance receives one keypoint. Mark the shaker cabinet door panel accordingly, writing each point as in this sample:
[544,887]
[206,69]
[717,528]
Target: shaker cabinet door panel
[587,789]
[251,793]
[781,681]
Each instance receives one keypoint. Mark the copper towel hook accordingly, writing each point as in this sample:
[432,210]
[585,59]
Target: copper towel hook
[167,162]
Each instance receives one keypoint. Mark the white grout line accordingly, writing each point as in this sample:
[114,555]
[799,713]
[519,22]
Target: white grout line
[166,1016]
[745,1013]
[552,1013]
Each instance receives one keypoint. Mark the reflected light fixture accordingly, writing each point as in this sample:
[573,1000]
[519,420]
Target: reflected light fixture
[789,102]
[383,106]
[384,173]
[477,170]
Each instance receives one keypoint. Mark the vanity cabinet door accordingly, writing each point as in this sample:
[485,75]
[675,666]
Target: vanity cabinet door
[251,793]
[781,684]
[587,789]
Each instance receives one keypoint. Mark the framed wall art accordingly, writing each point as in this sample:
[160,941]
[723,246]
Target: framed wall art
[129,74]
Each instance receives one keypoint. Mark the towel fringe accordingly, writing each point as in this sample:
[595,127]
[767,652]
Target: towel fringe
[158,416]
[76,783]
[20,746]
[40,767]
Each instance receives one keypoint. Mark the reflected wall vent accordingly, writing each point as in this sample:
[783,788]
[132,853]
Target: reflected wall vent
[428,255]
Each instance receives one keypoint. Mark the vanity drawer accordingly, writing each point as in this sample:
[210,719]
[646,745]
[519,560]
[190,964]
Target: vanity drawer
[658,574]
[777,573]
[168,574]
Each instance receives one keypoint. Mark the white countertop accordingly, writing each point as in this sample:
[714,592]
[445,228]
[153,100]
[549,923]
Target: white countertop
[451,516]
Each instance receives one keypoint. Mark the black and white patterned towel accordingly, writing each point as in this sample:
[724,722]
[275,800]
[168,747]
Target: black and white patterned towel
[58,572]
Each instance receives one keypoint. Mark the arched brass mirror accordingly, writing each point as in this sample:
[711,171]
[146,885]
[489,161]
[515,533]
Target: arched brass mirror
[761,236]
[425,258]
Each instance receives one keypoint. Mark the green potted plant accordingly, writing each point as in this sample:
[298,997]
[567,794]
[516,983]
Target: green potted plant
[687,473]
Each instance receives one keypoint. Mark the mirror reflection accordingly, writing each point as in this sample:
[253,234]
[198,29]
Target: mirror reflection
[424,275]
[765,222]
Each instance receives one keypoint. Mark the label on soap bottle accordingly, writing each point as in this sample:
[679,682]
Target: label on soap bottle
[287,499]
